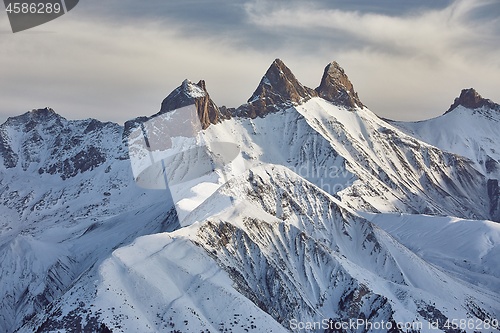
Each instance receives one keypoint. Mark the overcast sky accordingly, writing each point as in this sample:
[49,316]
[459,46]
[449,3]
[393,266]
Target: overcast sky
[117,59]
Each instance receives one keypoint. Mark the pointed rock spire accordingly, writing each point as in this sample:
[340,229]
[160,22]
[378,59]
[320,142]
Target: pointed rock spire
[470,99]
[280,85]
[336,87]
[189,93]
[278,89]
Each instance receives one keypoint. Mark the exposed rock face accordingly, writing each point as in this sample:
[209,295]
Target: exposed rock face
[336,87]
[10,158]
[471,99]
[494,195]
[277,89]
[85,160]
[189,93]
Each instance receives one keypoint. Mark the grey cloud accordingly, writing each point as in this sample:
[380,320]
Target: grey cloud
[229,19]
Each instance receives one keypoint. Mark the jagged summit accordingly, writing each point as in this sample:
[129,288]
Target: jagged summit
[471,99]
[277,89]
[189,93]
[35,116]
[336,87]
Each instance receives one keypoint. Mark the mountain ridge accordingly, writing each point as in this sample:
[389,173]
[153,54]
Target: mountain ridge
[334,87]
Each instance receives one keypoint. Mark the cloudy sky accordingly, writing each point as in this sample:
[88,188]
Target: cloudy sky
[117,59]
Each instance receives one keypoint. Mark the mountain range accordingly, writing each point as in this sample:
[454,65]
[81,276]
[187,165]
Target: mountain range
[300,210]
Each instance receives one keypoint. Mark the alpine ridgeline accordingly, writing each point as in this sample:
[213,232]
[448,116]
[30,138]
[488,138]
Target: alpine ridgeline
[321,215]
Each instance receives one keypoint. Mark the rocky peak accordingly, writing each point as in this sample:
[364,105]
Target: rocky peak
[183,95]
[336,87]
[45,117]
[36,115]
[190,93]
[277,89]
[470,99]
[279,84]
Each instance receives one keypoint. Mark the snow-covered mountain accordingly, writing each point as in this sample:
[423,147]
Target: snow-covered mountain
[68,200]
[470,128]
[300,207]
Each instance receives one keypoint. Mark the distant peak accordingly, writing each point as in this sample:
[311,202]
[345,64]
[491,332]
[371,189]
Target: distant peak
[336,87]
[471,99]
[34,116]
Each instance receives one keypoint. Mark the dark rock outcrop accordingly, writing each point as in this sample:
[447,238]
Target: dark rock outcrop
[491,164]
[470,99]
[84,160]
[336,87]
[494,195]
[10,158]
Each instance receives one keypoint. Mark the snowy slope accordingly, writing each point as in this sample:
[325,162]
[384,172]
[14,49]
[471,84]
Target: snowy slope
[471,133]
[397,172]
[254,266]
[370,164]
[467,248]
